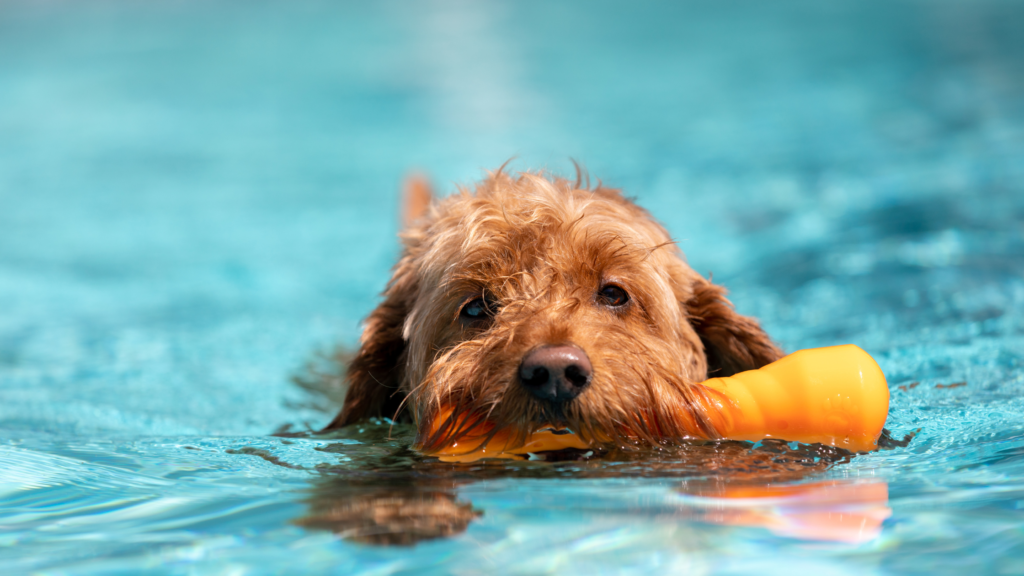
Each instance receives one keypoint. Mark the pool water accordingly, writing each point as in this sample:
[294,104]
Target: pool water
[199,199]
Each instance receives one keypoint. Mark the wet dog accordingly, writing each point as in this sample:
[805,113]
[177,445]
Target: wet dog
[533,301]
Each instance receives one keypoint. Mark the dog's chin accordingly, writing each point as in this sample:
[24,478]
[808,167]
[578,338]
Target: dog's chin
[553,414]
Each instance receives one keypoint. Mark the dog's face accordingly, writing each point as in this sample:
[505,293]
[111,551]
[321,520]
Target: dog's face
[533,302]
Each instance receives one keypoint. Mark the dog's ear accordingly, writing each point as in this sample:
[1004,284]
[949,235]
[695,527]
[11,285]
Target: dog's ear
[416,199]
[732,343]
[375,374]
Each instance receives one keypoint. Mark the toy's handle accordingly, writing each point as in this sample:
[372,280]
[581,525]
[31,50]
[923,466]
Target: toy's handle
[835,395]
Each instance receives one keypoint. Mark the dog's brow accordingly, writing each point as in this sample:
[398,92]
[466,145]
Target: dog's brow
[506,279]
[652,249]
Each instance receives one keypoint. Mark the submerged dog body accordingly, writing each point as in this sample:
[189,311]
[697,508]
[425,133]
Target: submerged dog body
[532,301]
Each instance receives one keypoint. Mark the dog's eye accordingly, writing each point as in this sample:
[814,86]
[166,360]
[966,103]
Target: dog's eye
[477,309]
[612,295]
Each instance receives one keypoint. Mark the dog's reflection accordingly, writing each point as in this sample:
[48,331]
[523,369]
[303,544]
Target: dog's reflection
[399,514]
[403,499]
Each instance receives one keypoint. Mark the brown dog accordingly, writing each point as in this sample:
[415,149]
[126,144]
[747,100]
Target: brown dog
[534,301]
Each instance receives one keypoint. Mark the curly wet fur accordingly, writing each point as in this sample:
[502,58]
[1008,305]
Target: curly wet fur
[540,248]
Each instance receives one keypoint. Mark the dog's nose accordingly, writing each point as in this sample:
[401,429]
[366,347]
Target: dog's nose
[555,373]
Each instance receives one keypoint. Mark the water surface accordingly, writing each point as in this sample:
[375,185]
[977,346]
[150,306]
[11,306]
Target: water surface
[196,198]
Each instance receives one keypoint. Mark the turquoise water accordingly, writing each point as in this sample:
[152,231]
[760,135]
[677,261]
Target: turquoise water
[198,198]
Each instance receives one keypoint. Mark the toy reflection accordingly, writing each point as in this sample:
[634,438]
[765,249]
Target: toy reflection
[722,483]
[847,512]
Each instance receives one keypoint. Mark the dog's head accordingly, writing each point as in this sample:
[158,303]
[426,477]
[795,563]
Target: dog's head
[532,301]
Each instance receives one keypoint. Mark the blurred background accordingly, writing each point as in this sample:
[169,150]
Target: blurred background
[197,196]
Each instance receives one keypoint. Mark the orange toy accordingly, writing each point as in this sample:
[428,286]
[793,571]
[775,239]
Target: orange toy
[835,395]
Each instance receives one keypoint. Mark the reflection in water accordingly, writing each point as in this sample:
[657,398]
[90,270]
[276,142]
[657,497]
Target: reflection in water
[825,511]
[383,493]
[394,515]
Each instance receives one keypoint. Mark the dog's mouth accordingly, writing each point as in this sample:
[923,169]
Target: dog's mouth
[553,413]
[453,432]
[556,431]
